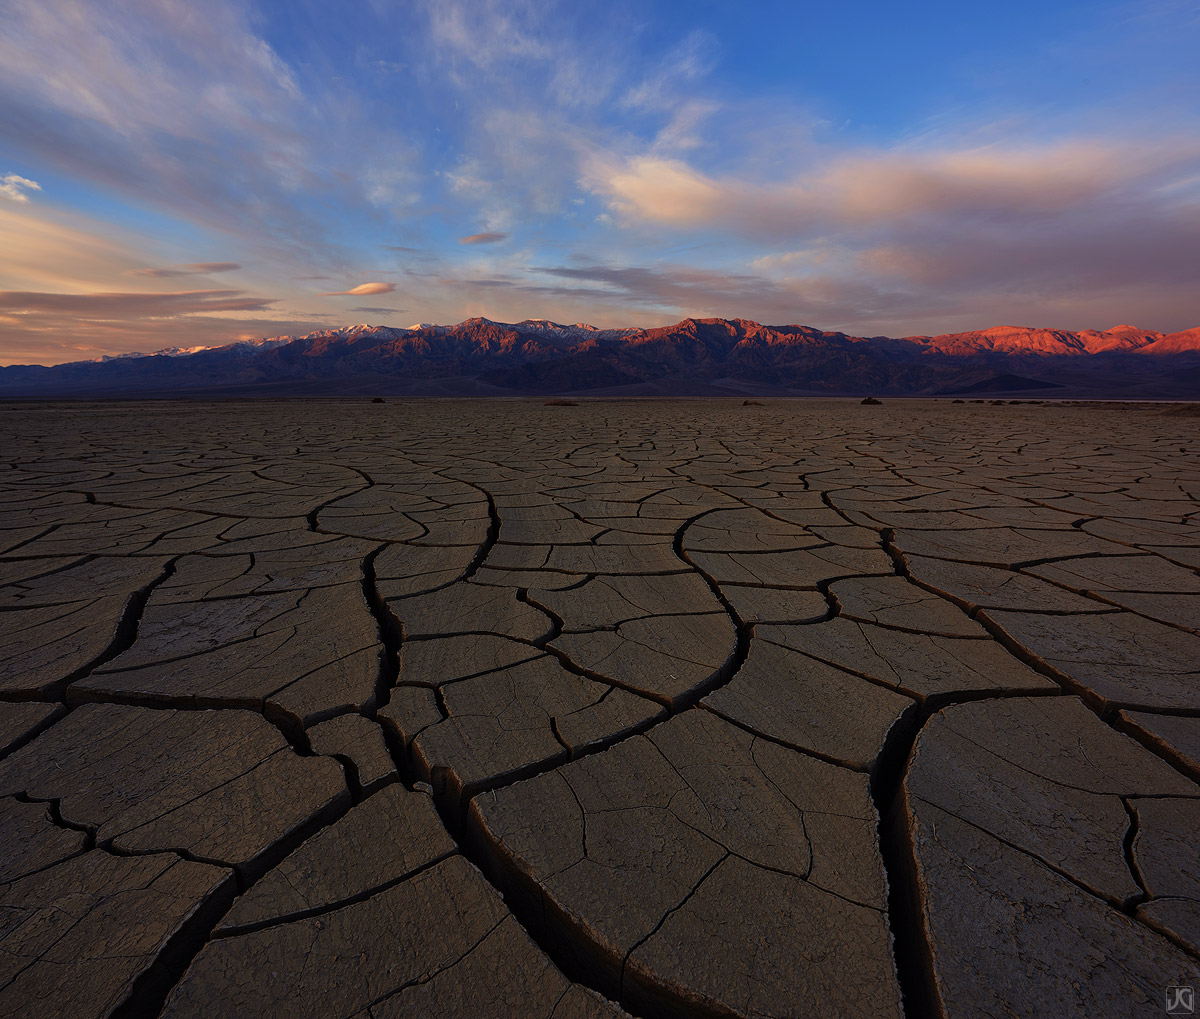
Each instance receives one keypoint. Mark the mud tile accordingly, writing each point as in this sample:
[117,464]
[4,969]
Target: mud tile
[377,843]
[31,839]
[897,603]
[1164,851]
[85,929]
[1178,736]
[504,722]
[666,657]
[804,703]
[359,740]
[469,608]
[1122,658]
[20,722]
[916,664]
[341,962]
[221,785]
[643,864]
[976,586]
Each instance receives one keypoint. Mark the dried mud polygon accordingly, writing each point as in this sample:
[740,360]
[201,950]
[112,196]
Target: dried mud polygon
[452,708]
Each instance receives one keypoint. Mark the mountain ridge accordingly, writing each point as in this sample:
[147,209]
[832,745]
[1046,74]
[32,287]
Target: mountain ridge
[695,356]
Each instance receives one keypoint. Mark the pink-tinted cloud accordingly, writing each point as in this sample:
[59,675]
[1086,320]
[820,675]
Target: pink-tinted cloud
[837,297]
[124,306]
[878,190]
[189,269]
[362,290]
[1066,235]
[484,238]
[41,327]
[48,340]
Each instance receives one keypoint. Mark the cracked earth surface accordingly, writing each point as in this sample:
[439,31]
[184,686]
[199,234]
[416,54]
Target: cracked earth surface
[664,709]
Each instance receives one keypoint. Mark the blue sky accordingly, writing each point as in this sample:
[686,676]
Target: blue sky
[188,173]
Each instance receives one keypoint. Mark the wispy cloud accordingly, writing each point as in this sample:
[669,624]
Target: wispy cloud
[189,269]
[132,305]
[362,290]
[875,190]
[485,238]
[200,117]
[379,311]
[695,179]
[144,93]
[42,327]
[14,187]
[1001,229]
[50,339]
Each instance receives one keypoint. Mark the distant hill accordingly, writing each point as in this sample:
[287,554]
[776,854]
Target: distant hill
[692,357]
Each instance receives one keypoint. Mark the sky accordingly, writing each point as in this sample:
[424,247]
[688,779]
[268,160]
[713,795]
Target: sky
[193,172]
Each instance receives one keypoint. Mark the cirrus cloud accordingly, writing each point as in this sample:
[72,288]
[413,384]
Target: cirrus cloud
[484,238]
[190,269]
[131,305]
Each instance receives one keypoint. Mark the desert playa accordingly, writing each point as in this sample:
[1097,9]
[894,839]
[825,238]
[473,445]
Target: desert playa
[451,708]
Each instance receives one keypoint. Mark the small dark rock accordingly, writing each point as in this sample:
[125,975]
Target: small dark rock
[751,403]
[872,400]
[561,403]
[377,399]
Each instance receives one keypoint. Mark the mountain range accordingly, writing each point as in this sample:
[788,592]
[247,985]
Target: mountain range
[694,357]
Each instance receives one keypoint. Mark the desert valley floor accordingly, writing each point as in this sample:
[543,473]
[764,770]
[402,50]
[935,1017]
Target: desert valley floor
[452,708]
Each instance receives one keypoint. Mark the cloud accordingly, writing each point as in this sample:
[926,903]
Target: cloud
[190,269]
[837,296]
[131,305]
[485,238]
[151,94]
[624,295]
[674,74]
[14,187]
[52,340]
[792,260]
[908,240]
[876,190]
[203,267]
[379,311]
[197,116]
[47,328]
[362,290]
[554,127]
[678,287]
[43,249]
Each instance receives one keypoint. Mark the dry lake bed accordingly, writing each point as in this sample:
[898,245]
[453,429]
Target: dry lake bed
[452,708]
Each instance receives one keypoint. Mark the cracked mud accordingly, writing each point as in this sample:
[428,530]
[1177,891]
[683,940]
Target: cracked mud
[676,709]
